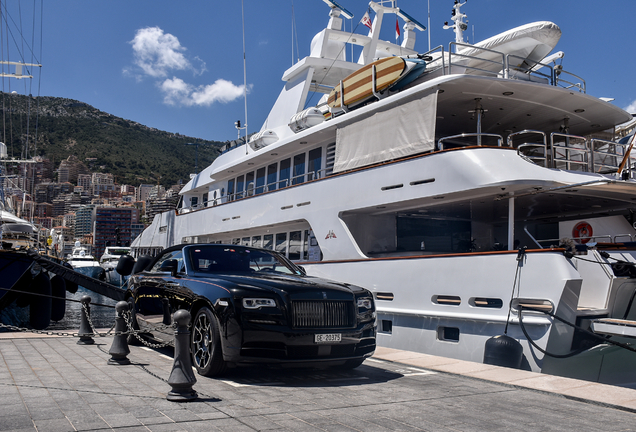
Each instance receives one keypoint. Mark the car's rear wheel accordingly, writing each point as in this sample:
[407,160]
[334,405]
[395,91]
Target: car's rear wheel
[207,356]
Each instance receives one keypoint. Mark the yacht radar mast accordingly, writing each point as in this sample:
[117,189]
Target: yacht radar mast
[334,5]
[460,26]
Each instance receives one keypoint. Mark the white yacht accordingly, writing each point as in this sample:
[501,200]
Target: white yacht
[109,260]
[476,200]
[81,257]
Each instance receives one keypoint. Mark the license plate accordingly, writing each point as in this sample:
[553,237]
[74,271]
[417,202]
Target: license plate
[327,338]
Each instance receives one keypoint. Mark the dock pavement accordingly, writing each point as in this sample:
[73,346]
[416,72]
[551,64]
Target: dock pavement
[50,383]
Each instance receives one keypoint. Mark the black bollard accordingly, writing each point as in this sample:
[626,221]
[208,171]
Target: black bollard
[119,349]
[181,377]
[85,331]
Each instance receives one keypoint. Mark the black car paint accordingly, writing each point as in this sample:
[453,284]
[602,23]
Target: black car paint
[245,338]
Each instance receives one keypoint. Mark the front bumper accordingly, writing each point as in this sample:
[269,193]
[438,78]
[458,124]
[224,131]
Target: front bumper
[280,344]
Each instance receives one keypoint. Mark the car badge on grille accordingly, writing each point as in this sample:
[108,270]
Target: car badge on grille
[324,295]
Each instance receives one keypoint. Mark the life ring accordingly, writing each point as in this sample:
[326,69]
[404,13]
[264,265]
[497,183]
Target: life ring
[582,232]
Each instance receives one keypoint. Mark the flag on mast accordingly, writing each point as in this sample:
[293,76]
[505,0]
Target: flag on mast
[366,20]
[397,30]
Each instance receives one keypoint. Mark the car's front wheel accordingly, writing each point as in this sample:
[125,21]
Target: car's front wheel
[207,356]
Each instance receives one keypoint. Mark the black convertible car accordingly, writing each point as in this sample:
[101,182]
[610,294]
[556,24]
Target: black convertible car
[251,305]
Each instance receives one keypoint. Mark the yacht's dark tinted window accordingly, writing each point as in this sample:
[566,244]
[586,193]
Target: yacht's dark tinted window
[299,168]
[419,233]
[240,185]
[283,178]
[281,243]
[315,164]
[260,180]
[249,184]
[271,176]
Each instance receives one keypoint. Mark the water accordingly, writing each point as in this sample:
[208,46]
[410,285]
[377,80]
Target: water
[102,317]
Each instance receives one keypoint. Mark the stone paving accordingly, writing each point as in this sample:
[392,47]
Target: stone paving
[53,384]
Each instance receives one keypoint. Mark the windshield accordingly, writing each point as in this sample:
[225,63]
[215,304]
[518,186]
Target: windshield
[223,259]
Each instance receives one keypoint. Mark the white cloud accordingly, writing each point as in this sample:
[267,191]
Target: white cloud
[157,53]
[631,108]
[178,92]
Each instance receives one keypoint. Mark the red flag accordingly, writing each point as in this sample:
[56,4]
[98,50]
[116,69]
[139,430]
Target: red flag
[366,20]
[397,30]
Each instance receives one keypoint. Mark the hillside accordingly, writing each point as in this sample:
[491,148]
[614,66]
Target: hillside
[132,152]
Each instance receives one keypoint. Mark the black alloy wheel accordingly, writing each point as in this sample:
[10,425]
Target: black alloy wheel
[207,356]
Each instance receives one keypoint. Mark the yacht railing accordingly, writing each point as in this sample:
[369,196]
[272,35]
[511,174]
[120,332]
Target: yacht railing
[547,243]
[560,151]
[479,142]
[536,152]
[254,190]
[483,61]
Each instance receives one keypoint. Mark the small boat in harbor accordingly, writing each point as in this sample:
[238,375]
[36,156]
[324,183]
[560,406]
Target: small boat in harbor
[109,261]
[487,204]
[82,261]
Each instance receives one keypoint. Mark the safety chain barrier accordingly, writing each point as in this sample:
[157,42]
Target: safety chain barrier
[94,332]
[131,331]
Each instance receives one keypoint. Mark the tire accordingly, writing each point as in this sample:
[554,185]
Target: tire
[205,345]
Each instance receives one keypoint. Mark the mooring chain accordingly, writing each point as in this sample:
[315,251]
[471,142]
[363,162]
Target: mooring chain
[42,332]
[128,317]
[90,323]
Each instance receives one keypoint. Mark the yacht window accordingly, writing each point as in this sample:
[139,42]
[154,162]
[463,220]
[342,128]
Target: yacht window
[416,233]
[271,176]
[268,241]
[295,245]
[315,164]
[249,184]
[205,199]
[245,241]
[236,241]
[230,190]
[281,243]
[256,241]
[299,169]
[194,201]
[240,184]
[260,181]
[305,248]
[283,178]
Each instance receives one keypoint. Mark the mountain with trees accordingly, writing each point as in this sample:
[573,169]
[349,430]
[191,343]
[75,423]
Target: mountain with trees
[56,128]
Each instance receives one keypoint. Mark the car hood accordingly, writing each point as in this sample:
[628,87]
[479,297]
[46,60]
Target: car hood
[306,287]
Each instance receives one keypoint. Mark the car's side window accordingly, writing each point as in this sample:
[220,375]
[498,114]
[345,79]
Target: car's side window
[174,255]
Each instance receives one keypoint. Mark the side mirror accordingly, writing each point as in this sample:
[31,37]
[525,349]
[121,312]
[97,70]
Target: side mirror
[171,266]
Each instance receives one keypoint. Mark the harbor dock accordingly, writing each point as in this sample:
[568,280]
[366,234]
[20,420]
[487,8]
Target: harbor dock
[50,383]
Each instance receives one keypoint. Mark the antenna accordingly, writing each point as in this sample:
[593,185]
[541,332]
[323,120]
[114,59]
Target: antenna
[244,81]
[460,26]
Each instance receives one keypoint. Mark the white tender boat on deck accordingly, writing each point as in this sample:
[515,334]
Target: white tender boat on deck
[474,202]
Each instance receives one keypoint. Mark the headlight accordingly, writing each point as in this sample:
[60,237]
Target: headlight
[257,303]
[365,302]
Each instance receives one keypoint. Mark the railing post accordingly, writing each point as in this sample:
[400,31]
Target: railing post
[181,377]
[119,349]
[85,331]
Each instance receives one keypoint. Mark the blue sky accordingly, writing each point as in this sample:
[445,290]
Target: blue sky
[178,66]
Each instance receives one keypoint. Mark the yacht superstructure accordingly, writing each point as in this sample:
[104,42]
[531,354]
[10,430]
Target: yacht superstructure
[464,200]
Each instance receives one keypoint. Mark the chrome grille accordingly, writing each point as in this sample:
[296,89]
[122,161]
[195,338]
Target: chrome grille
[323,314]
